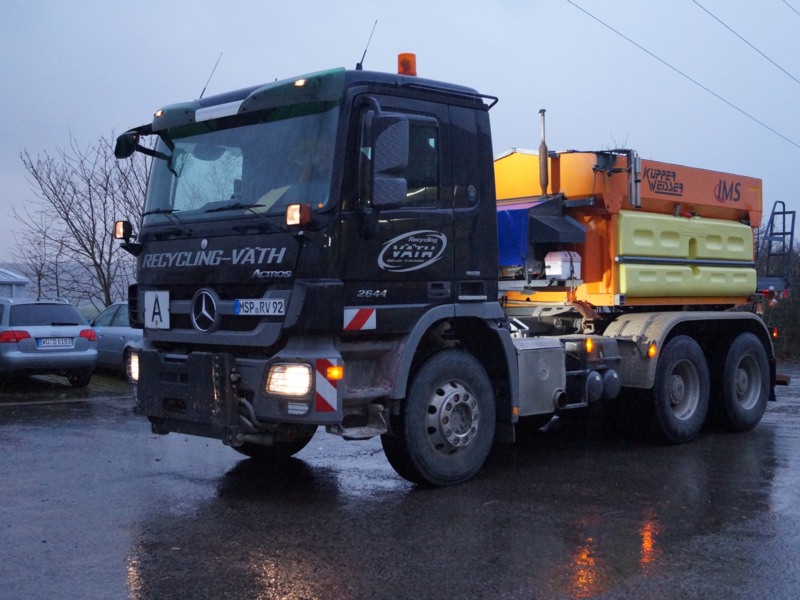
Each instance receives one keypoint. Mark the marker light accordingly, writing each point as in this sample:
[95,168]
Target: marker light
[652,350]
[407,64]
[289,379]
[298,214]
[334,373]
[300,83]
[774,333]
[589,345]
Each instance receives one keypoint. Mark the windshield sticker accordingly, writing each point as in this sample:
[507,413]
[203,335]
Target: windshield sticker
[412,251]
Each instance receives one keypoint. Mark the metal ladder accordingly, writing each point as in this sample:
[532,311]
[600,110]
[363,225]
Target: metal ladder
[774,251]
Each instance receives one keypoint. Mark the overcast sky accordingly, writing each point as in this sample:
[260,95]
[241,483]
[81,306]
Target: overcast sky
[85,68]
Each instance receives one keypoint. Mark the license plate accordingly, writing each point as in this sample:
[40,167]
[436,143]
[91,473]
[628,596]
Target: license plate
[259,307]
[53,342]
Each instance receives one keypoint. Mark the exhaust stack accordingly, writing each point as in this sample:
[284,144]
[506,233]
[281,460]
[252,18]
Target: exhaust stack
[543,174]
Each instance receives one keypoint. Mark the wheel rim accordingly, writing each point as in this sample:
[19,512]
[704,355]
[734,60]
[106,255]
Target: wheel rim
[452,418]
[684,390]
[747,382]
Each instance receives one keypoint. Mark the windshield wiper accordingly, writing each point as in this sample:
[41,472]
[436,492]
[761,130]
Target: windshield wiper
[160,211]
[234,206]
[170,214]
[266,224]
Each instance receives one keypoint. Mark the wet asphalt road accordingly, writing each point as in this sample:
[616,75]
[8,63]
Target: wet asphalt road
[95,506]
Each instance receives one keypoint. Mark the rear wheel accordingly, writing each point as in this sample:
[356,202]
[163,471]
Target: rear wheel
[745,384]
[79,379]
[680,395]
[280,449]
[446,427]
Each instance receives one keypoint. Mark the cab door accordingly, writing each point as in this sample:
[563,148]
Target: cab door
[398,259]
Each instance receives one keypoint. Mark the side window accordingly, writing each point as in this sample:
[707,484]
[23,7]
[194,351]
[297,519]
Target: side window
[104,320]
[422,173]
[121,317]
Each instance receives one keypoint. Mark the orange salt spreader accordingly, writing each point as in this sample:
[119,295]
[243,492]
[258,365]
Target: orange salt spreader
[607,228]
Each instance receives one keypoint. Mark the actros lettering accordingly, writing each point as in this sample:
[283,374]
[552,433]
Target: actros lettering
[213,258]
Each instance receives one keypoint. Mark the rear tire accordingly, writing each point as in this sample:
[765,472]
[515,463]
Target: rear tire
[745,384]
[445,429]
[679,398]
[79,379]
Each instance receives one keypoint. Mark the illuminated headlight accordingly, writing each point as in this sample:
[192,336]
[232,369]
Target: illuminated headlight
[289,379]
[133,367]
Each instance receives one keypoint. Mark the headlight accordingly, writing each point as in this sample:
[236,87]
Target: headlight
[289,379]
[133,366]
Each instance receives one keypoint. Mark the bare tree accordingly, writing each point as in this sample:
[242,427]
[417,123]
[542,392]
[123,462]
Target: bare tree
[66,241]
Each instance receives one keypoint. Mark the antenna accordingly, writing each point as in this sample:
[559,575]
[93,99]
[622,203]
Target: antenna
[360,64]
[210,76]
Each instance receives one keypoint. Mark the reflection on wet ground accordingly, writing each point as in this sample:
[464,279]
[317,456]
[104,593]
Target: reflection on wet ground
[96,506]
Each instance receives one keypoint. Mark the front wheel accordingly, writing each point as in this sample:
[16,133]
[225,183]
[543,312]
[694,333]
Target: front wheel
[681,391]
[289,441]
[446,425]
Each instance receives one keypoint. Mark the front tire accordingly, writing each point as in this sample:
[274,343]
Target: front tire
[280,449]
[681,391]
[445,429]
[745,384]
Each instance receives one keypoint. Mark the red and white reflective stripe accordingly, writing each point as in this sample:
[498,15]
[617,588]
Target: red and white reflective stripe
[326,396]
[359,319]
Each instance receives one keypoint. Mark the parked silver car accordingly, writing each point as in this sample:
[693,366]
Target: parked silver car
[115,336]
[46,337]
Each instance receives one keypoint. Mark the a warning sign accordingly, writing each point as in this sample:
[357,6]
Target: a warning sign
[156,310]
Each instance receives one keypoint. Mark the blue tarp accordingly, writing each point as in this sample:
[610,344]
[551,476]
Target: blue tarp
[512,236]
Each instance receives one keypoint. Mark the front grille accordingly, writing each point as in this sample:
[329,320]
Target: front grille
[227,322]
[183,294]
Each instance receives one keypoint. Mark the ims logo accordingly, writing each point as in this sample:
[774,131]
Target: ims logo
[727,191]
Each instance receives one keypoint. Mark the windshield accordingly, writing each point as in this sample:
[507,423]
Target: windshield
[249,167]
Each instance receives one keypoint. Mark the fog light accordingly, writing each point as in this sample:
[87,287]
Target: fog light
[133,367]
[289,379]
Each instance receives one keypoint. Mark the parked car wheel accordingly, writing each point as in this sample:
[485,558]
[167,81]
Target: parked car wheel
[79,379]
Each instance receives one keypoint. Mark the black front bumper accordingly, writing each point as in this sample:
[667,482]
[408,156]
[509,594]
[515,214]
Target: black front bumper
[195,394]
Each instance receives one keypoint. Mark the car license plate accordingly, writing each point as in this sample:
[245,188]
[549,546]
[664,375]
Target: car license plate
[53,342]
[258,307]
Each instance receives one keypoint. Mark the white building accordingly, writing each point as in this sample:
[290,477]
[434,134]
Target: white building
[12,285]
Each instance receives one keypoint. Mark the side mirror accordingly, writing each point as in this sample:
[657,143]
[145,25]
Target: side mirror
[390,160]
[126,145]
[123,230]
